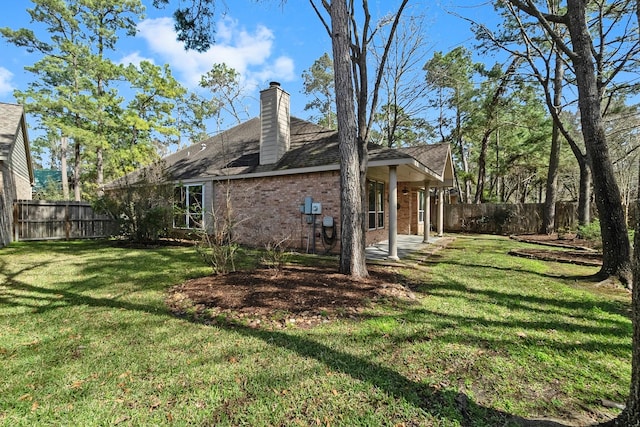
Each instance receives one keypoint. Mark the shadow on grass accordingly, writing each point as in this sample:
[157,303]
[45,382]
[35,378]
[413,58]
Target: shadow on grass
[454,407]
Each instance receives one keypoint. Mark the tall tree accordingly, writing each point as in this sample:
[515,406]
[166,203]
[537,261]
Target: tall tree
[56,94]
[491,110]
[450,76]
[318,82]
[401,119]
[76,93]
[596,65]
[227,96]
[351,40]
[547,64]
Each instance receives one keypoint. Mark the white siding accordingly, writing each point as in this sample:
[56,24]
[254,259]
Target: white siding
[18,157]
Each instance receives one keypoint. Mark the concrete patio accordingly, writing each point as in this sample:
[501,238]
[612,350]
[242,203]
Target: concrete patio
[406,244]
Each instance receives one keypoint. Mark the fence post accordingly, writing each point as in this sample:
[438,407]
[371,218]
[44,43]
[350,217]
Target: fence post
[67,222]
[15,230]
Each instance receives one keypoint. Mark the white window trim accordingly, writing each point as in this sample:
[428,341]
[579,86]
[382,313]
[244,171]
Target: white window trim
[187,213]
[377,211]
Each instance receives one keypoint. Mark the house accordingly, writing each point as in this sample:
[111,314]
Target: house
[16,170]
[280,178]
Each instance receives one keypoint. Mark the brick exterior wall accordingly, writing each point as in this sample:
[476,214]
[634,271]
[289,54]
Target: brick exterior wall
[268,209]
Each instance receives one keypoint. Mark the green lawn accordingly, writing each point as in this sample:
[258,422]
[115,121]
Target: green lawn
[85,339]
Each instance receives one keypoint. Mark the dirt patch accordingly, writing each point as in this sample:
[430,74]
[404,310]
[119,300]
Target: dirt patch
[576,251]
[293,296]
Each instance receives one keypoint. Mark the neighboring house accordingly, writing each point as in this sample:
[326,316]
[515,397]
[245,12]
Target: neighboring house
[280,177]
[16,171]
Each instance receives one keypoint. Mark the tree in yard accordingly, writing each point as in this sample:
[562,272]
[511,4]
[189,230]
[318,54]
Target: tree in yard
[592,79]
[401,120]
[224,84]
[76,92]
[596,62]
[547,65]
[319,83]
[491,111]
[350,47]
[449,76]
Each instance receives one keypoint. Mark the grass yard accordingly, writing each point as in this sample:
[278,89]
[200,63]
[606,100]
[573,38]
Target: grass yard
[86,339]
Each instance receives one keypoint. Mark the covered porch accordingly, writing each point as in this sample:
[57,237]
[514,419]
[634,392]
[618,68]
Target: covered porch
[421,170]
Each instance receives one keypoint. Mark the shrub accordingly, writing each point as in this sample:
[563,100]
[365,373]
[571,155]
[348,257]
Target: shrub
[591,232]
[143,209]
[218,247]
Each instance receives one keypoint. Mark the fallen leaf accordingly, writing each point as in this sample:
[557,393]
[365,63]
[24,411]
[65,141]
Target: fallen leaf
[35,406]
[76,384]
[335,392]
[25,397]
[121,420]
[155,403]
[169,417]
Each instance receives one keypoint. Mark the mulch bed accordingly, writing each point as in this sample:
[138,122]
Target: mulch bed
[292,296]
[578,251]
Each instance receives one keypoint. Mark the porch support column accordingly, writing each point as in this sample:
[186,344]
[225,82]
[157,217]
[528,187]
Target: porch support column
[393,213]
[440,211]
[426,208]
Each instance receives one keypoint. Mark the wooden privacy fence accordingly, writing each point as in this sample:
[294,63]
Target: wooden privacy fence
[44,220]
[493,218]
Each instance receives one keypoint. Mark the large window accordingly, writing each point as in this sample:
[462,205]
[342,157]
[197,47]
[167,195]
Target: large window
[188,206]
[421,206]
[376,204]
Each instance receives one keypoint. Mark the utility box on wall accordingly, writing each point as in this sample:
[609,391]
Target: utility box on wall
[316,208]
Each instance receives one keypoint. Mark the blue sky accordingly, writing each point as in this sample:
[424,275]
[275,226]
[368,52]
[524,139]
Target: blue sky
[264,41]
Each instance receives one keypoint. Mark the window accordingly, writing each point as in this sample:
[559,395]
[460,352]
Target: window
[376,204]
[188,206]
[421,206]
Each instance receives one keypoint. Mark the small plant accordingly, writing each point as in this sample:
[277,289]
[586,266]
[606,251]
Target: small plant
[564,233]
[275,253]
[591,233]
[218,246]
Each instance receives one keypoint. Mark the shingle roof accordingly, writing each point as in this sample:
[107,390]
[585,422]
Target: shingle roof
[237,152]
[433,156]
[10,116]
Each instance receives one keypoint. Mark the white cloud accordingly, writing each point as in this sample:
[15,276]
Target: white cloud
[6,87]
[134,58]
[247,52]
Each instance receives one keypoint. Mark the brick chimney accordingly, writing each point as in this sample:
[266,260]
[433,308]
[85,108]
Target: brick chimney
[274,124]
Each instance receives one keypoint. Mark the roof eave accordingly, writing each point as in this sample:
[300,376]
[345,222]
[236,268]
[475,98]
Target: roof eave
[409,162]
[281,172]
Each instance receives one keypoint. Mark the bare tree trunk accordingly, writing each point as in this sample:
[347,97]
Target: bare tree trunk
[352,259]
[64,145]
[99,171]
[77,193]
[616,260]
[482,167]
[631,414]
[464,158]
[584,197]
[551,193]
